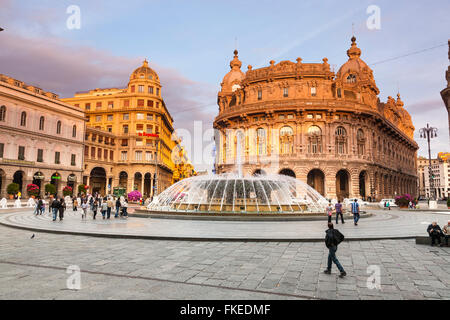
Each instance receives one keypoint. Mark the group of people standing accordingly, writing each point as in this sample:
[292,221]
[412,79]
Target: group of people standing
[105,205]
[339,212]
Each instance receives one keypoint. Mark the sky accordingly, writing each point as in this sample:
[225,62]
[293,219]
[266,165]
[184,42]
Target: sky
[190,44]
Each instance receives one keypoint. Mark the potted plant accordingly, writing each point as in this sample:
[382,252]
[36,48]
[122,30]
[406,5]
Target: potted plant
[12,189]
[50,189]
[67,191]
[403,201]
[32,190]
[134,195]
[82,188]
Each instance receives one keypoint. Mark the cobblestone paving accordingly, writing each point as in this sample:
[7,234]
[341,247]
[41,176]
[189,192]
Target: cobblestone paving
[150,269]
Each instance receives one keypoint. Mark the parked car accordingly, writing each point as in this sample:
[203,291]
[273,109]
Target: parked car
[391,203]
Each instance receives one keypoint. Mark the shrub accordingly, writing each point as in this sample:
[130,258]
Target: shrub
[82,188]
[134,195]
[12,188]
[67,191]
[50,188]
[403,201]
[448,202]
[32,190]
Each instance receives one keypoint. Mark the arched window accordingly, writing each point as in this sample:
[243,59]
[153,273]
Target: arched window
[315,139]
[351,78]
[74,131]
[58,127]
[261,141]
[341,140]
[41,123]
[286,140]
[23,119]
[361,140]
[2,113]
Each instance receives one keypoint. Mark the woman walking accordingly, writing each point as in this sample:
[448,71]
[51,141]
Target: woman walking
[84,207]
[95,207]
[104,208]
[75,204]
[62,207]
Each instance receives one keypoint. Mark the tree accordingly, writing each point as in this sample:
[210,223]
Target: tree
[50,188]
[12,188]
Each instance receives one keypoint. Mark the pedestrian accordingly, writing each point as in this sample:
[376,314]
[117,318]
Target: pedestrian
[435,233]
[55,208]
[94,207]
[84,207]
[37,209]
[104,208]
[42,201]
[110,205]
[355,211]
[124,208]
[329,211]
[74,204]
[62,208]
[91,203]
[50,202]
[118,205]
[446,232]
[338,208]
[388,205]
[332,239]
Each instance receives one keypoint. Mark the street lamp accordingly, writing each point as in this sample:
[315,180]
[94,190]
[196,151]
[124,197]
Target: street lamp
[429,133]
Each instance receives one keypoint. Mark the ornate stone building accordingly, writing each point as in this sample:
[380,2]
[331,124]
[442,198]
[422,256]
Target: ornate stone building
[41,138]
[129,135]
[327,129]
[446,92]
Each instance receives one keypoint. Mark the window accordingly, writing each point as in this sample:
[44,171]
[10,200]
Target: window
[148,143]
[261,141]
[281,117]
[138,156]
[87,106]
[124,142]
[148,156]
[139,143]
[149,116]
[92,152]
[23,119]
[99,153]
[351,78]
[140,116]
[339,93]
[361,142]
[285,92]
[21,155]
[286,140]
[132,88]
[110,117]
[139,128]
[341,140]
[74,131]
[310,116]
[111,155]
[157,91]
[315,139]
[41,123]
[141,102]
[58,127]
[98,118]
[141,89]
[123,156]
[259,94]
[313,91]
[111,105]
[98,105]
[126,116]
[150,90]
[157,129]
[40,155]
[149,103]
[125,128]
[157,104]
[2,149]
[2,113]
[149,129]
[72,160]
[105,154]
[319,116]
[126,103]
[109,128]
[86,151]
[57,157]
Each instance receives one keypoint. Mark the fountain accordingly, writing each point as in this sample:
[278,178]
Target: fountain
[236,193]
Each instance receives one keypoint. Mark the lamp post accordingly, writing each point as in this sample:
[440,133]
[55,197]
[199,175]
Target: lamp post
[429,133]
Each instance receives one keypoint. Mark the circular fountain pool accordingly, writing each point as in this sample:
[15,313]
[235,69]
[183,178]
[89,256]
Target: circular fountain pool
[232,193]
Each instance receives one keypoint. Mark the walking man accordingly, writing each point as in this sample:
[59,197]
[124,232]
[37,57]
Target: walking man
[55,208]
[338,208]
[332,239]
[355,211]
[117,208]
[110,203]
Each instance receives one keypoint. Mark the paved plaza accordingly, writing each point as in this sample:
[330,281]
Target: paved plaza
[113,268]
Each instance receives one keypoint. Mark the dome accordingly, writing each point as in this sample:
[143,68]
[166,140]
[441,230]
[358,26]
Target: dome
[144,72]
[235,76]
[231,193]
[354,63]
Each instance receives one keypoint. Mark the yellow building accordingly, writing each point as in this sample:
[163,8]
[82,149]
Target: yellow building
[137,121]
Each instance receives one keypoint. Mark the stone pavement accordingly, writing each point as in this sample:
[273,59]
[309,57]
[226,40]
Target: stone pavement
[159,269]
[384,224]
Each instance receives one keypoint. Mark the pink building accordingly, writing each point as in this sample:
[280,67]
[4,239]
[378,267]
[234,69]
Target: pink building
[41,138]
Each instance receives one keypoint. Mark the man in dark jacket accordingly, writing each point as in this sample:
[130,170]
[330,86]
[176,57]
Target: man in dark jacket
[332,239]
[55,208]
[435,233]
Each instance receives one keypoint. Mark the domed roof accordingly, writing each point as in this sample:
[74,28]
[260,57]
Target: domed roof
[235,75]
[144,72]
[354,63]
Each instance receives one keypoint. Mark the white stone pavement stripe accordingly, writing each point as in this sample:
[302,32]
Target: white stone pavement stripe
[165,280]
[392,225]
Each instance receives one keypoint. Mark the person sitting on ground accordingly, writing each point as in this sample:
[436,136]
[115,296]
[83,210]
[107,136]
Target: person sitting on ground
[446,232]
[435,233]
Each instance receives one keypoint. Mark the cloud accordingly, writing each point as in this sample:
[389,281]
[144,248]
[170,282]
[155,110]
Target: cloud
[54,65]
